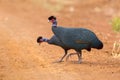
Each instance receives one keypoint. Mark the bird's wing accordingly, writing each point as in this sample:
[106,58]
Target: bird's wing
[81,42]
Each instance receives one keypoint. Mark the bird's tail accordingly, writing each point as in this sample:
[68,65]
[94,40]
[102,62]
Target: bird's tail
[98,44]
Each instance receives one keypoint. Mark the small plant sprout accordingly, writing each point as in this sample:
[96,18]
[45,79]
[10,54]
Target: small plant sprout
[116,24]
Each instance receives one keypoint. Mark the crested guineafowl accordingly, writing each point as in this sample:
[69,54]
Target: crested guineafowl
[72,38]
[55,41]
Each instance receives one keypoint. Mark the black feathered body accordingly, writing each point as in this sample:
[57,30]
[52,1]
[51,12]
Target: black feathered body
[55,41]
[77,38]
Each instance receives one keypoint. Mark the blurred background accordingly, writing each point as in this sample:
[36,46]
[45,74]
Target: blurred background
[22,21]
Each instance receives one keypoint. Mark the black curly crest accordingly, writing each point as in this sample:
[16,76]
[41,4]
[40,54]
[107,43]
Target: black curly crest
[38,39]
[52,17]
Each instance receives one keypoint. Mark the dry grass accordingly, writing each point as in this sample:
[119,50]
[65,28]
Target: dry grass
[116,24]
[116,49]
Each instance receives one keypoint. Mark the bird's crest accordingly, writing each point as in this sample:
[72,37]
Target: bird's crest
[38,39]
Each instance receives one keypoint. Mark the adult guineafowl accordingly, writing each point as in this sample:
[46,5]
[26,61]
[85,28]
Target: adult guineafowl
[72,38]
[75,38]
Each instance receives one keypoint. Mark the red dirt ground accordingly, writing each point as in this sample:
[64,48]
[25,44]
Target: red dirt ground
[21,58]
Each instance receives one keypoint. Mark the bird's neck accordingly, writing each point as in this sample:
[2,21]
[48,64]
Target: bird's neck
[44,40]
[54,24]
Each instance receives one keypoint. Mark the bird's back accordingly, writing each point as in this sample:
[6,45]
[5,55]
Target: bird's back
[77,38]
[55,41]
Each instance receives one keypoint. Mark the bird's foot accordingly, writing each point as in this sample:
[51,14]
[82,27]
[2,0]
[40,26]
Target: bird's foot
[77,62]
[58,61]
[80,61]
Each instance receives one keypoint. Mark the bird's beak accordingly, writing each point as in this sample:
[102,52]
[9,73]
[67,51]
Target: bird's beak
[39,43]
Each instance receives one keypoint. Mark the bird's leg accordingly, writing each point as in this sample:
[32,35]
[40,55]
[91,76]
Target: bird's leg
[79,57]
[70,55]
[63,56]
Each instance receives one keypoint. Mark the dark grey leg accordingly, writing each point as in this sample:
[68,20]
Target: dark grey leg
[63,56]
[70,55]
[79,57]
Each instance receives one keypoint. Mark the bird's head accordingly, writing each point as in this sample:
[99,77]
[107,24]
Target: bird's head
[39,39]
[51,19]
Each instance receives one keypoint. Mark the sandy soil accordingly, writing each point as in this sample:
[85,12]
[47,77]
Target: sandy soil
[21,58]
